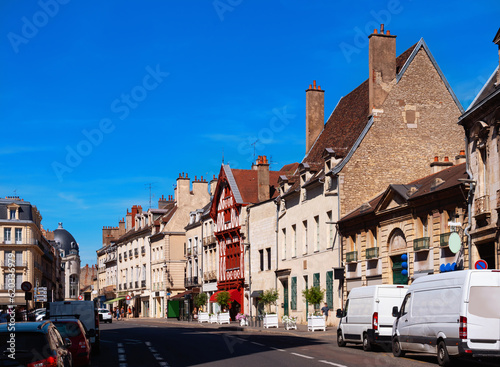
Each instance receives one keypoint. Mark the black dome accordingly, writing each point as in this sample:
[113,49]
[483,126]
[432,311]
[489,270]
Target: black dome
[65,241]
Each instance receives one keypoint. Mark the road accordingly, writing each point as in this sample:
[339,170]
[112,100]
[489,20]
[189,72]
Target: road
[158,343]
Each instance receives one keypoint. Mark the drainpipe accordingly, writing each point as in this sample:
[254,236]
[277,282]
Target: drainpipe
[469,200]
[200,267]
[249,262]
[340,241]
[276,246]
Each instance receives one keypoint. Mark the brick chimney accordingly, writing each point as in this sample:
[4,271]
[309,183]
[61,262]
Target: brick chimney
[382,64]
[213,185]
[496,41]
[262,178]
[182,189]
[315,114]
[437,166]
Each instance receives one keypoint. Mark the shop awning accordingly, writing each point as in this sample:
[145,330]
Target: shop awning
[114,300]
[256,294]
[234,295]
[181,295]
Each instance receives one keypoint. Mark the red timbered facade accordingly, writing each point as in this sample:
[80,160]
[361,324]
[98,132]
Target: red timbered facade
[226,212]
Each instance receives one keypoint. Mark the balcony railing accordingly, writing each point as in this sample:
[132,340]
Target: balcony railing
[482,206]
[371,253]
[191,281]
[443,239]
[143,284]
[188,252]
[210,275]
[351,256]
[420,244]
[17,264]
[136,252]
[209,240]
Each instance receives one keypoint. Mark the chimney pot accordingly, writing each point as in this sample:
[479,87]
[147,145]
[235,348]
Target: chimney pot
[446,159]
[388,33]
[314,84]
[462,152]
[382,28]
[375,31]
[310,86]
[436,159]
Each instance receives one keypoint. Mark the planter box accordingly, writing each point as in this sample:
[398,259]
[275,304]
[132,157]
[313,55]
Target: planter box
[291,325]
[223,318]
[316,323]
[270,320]
[212,319]
[203,317]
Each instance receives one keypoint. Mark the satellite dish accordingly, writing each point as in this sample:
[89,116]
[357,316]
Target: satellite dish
[454,242]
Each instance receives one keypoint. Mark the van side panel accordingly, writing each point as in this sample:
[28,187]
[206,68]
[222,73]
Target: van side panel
[386,300]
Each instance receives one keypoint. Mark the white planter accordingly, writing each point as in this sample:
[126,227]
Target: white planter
[316,323]
[223,318]
[291,325]
[203,317]
[212,319]
[270,320]
[243,322]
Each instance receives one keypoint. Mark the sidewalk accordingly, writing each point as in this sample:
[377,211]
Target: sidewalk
[330,333]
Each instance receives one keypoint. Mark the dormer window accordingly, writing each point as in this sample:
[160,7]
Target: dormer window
[13,211]
[328,165]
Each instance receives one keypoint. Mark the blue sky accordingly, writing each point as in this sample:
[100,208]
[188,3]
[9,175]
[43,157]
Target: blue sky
[99,99]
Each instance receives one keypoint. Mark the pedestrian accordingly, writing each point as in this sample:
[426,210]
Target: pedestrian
[129,312]
[122,313]
[325,310]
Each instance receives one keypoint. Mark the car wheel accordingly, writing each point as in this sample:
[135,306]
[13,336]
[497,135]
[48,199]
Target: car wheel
[442,354]
[366,343]
[396,348]
[340,339]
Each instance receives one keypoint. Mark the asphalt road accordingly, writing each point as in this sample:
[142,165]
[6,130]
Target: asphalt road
[157,343]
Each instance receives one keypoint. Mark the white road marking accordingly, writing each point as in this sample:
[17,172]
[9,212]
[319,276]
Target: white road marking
[121,350]
[241,339]
[164,364]
[303,356]
[120,345]
[122,358]
[153,350]
[281,350]
[123,365]
[132,340]
[332,364]
[262,345]
[158,357]
[148,344]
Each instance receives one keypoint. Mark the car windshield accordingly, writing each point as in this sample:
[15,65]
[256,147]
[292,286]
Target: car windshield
[67,329]
[25,342]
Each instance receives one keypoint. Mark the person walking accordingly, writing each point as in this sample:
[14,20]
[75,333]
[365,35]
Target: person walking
[325,310]
[122,313]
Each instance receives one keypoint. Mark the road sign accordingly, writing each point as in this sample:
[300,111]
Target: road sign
[481,264]
[41,294]
[80,297]
[127,297]
[26,286]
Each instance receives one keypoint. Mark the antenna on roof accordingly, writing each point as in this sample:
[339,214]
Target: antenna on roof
[222,155]
[150,186]
[271,160]
[254,144]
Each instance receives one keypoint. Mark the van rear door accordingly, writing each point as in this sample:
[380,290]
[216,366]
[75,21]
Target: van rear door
[483,311]
[387,298]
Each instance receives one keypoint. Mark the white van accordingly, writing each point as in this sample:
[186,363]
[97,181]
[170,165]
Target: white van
[85,311]
[450,314]
[367,317]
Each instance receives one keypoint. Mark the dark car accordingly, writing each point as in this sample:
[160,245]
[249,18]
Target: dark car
[33,344]
[74,330]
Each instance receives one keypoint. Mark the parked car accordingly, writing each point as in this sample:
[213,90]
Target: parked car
[34,344]
[74,330]
[85,311]
[40,314]
[367,317]
[105,315]
[450,314]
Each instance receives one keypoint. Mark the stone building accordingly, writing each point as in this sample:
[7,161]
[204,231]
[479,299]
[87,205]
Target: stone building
[404,232]
[384,131]
[481,123]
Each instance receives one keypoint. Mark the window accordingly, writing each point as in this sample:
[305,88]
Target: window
[261,257]
[316,243]
[406,305]
[19,235]
[19,258]
[19,281]
[6,235]
[143,272]
[284,244]
[316,284]
[12,213]
[293,302]
[304,223]
[330,229]
[268,250]
[329,289]
[294,233]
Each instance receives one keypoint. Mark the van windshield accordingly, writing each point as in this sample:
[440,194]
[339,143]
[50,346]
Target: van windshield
[483,302]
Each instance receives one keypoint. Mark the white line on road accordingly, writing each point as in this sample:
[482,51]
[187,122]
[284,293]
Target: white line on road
[121,350]
[132,340]
[158,357]
[332,364]
[164,364]
[148,344]
[121,358]
[303,356]
[241,339]
[153,350]
[281,350]
[262,345]
[120,345]
[123,365]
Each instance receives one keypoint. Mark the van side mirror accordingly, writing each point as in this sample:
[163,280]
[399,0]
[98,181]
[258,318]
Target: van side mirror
[67,343]
[340,314]
[395,312]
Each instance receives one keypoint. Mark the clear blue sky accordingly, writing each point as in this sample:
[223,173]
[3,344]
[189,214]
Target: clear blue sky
[100,98]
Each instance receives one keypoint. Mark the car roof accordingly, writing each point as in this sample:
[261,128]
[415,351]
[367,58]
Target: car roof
[28,326]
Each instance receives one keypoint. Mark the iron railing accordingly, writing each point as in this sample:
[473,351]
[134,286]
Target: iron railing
[421,243]
[351,256]
[371,253]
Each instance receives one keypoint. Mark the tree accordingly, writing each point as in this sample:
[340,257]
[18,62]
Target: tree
[313,295]
[269,297]
[200,300]
[224,299]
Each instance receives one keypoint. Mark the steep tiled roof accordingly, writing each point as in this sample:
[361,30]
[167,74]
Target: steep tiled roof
[348,120]
[246,179]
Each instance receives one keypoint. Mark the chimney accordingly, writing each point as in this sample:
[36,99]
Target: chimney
[496,41]
[121,227]
[437,166]
[459,159]
[213,186]
[382,64]
[182,189]
[262,178]
[315,114]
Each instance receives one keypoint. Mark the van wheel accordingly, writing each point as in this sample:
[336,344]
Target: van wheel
[366,343]
[340,340]
[396,348]
[442,354]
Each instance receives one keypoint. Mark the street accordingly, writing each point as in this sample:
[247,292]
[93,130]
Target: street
[149,342]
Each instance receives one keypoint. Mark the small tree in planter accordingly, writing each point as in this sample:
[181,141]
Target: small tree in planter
[268,298]
[224,299]
[313,295]
[200,300]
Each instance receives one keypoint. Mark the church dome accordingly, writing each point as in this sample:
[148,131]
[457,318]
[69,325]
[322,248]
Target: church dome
[65,241]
